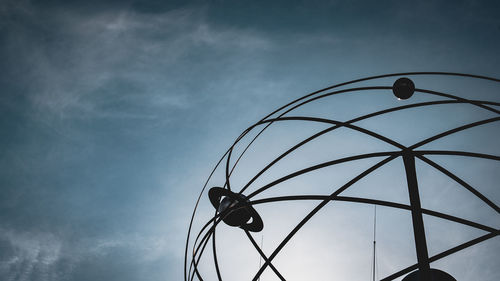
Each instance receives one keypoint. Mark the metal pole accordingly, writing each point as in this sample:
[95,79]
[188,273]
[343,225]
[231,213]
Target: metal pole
[260,257]
[374,240]
[416,215]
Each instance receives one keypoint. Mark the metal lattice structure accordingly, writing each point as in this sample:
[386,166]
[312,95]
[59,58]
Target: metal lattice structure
[235,207]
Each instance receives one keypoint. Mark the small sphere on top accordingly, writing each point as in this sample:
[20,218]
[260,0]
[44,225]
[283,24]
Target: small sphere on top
[403,88]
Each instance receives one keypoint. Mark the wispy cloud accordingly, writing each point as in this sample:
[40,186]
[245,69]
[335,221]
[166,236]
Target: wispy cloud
[83,65]
[46,256]
[30,255]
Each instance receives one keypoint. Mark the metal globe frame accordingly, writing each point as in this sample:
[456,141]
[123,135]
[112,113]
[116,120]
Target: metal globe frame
[407,153]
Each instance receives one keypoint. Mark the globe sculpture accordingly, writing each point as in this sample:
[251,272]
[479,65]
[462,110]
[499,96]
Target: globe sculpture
[241,200]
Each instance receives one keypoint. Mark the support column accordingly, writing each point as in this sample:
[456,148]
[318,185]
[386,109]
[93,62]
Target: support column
[416,215]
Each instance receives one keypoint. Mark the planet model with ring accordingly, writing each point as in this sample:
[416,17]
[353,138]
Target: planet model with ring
[235,209]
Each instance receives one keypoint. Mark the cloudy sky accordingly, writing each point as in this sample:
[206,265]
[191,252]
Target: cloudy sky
[113,113]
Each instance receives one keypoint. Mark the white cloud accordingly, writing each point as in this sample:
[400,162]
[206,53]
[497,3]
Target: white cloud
[31,253]
[81,63]
[38,256]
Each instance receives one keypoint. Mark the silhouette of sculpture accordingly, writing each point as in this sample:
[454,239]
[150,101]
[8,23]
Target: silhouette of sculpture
[236,208]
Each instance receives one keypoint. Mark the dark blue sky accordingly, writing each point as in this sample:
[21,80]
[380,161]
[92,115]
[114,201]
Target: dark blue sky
[113,112]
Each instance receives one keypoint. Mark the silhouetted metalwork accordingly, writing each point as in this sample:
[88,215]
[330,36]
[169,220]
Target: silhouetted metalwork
[236,209]
[403,88]
[434,275]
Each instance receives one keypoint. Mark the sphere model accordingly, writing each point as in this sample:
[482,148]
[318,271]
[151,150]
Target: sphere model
[389,177]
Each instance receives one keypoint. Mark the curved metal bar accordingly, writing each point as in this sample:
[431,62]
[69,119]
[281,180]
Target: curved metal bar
[246,148]
[317,208]
[456,153]
[464,245]
[196,243]
[193,214]
[458,98]
[201,249]
[381,112]
[215,220]
[374,202]
[203,241]
[460,181]
[335,122]
[444,254]
[263,255]
[389,88]
[214,253]
[195,261]
[455,130]
[383,76]
[228,159]
[458,220]
[323,165]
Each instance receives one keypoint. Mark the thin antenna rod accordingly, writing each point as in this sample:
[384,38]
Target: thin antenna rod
[374,240]
[260,257]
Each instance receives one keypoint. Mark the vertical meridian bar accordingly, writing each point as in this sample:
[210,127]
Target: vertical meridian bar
[416,215]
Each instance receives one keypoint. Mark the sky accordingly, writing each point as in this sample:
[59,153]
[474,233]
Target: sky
[113,114]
